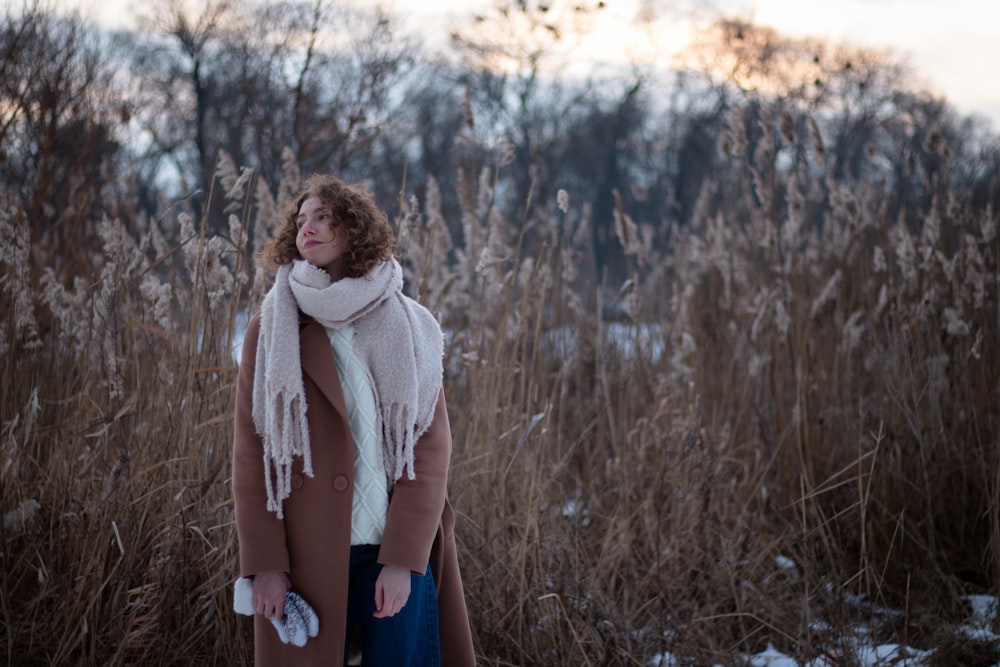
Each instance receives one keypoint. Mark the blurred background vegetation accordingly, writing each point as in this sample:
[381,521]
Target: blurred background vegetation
[96,123]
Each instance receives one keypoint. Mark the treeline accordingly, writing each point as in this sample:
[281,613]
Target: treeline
[99,124]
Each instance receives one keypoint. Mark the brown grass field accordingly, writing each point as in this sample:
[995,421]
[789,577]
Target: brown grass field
[637,463]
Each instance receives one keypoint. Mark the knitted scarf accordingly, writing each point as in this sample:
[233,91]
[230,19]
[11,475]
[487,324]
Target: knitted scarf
[397,339]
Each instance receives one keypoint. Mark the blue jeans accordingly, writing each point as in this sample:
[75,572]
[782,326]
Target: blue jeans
[408,639]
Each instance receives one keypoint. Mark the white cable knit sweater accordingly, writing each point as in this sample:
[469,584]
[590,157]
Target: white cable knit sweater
[371,497]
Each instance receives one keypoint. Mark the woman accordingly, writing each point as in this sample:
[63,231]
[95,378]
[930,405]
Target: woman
[342,447]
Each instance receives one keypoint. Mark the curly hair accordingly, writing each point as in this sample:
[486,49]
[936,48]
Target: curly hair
[369,237]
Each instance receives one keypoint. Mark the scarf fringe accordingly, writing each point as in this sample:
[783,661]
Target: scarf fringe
[399,431]
[284,441]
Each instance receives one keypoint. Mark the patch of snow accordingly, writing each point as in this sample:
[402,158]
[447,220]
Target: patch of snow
[978,634]
[786,563]
[984,608]
[772,657]
[574,507]
[861,648]
[663,660]
[984,613]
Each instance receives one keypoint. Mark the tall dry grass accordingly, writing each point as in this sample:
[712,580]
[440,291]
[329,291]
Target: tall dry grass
[783,424]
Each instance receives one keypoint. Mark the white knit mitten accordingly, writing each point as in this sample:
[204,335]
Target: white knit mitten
[310,621]
[281,626]
[295,627]
[299,622]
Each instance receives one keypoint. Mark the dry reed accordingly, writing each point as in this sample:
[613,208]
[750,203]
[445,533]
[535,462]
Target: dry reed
[782,425]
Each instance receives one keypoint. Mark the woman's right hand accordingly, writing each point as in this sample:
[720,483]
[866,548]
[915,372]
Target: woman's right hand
[269,589]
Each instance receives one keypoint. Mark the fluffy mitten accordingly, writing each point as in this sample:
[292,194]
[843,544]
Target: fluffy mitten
[243,596]
[309,617]
[281,627]
[299,622]
[295,625]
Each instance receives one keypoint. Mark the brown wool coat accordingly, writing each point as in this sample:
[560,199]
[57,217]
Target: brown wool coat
[312,543]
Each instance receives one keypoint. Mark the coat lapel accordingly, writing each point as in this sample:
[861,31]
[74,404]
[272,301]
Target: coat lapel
[318,363]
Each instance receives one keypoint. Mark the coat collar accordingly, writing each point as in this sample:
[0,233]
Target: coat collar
[318,362]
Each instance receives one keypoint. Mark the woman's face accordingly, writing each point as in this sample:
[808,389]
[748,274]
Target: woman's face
[320,241]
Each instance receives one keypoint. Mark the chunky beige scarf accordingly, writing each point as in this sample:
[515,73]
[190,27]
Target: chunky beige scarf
[397,339]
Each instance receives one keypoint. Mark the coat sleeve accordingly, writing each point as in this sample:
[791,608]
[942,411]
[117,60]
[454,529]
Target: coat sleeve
[261,534]
[416,505]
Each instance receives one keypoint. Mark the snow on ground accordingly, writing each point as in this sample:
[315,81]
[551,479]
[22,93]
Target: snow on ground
[864,652]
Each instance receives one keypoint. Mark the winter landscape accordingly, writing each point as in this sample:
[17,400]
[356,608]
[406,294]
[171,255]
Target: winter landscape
[722,357]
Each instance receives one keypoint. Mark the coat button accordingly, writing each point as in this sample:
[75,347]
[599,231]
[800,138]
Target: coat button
[296,481]
[340,482]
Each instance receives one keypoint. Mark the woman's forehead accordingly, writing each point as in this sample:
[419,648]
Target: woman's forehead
[312,203]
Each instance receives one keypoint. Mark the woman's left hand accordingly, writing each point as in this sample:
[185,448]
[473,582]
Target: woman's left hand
[392,590]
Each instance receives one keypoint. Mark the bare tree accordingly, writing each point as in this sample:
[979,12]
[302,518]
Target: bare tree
[59,119]
[513,55]
[255,79]
[860,104]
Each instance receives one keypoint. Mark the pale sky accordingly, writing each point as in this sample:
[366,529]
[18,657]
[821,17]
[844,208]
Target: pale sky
[951,44]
